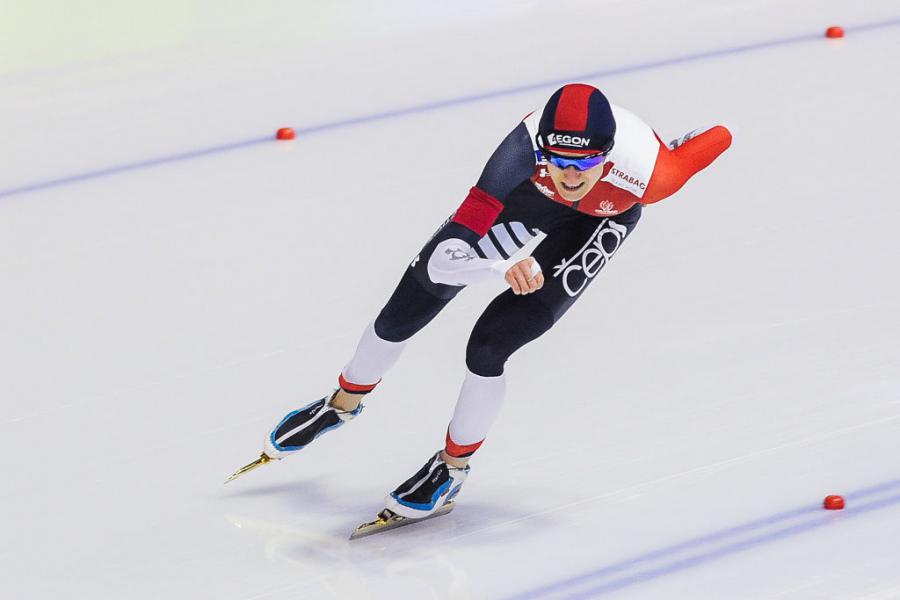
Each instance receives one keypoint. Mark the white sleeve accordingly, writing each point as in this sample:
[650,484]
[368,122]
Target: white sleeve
[454,262]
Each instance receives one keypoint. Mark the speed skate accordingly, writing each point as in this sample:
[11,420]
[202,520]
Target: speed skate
[388,519]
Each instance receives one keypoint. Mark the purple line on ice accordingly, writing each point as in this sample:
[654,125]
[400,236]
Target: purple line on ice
[123,168]
[421,108]
[577,587]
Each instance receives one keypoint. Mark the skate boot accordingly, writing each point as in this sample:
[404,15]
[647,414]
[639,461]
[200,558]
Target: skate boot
[428,490]
[300,427]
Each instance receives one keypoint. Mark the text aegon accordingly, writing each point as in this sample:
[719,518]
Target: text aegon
[568,140]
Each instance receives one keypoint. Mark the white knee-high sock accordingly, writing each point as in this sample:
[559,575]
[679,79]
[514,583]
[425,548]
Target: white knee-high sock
[476,410]
[373,358]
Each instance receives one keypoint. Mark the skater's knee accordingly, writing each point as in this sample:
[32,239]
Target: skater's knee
[508,324]
[408,310]
[486,354]
[395,330]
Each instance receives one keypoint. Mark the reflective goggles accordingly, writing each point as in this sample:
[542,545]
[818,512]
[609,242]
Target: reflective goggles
[581,163]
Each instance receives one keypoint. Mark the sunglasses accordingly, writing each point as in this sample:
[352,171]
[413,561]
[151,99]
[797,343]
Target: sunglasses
[580,163]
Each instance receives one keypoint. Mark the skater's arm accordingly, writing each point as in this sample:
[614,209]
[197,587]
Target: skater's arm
[678,162]
[455,262]
[511,163]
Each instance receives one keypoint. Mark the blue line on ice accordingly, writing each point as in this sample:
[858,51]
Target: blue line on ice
[421,108]
[596,582]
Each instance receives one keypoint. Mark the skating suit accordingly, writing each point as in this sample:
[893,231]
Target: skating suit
[515,199]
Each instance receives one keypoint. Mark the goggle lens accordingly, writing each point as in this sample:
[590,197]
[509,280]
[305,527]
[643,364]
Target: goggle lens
[581,164]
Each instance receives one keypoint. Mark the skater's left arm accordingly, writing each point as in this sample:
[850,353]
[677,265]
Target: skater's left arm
[683,158]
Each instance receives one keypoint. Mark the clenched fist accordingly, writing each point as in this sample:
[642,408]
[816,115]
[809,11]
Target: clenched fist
[525,276]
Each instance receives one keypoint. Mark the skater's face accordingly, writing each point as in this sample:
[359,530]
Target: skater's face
[571,183]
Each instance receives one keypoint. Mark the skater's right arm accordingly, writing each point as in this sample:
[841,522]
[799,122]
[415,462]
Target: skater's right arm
[454,261]
[511,163]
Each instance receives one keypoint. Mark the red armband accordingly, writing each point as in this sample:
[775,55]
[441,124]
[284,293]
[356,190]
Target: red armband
[674,167]
[478,211]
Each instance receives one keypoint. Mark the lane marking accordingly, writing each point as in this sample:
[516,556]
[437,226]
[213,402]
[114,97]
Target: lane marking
[586,585]
[437,105]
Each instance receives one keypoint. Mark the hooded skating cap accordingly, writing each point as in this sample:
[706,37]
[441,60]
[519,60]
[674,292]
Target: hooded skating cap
[578,120]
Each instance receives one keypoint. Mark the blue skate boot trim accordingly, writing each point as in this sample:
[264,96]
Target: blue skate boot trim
[300,427]
[453,493]
[435,484]
[426,506]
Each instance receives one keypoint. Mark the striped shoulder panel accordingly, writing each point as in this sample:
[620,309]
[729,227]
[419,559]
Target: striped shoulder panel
[503,240]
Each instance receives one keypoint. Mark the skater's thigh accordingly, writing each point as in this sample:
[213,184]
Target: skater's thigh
[509,322]
[571,256]
[417,299]
[410,308]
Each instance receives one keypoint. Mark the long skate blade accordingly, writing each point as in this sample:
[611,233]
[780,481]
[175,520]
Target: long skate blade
[263,459]
[388,520]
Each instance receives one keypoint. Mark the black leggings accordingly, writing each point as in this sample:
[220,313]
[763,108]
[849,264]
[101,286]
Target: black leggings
[577,247]
[508,323]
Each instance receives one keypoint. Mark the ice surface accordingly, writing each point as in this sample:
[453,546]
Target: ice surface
[672,437]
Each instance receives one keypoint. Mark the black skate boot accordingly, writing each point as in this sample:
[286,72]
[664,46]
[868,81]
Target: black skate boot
[428,490]
[300,427]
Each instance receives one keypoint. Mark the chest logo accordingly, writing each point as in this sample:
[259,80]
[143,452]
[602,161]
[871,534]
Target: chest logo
[626,178]
[577,272]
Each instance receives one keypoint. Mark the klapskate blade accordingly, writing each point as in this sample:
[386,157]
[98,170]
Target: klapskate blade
[394,521]
[263,459]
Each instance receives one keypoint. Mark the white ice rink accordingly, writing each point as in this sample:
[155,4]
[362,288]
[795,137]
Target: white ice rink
[173,280]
